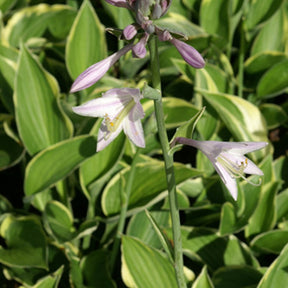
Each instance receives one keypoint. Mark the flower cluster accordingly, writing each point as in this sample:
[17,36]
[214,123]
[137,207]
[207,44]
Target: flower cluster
[145,12]
[121,109]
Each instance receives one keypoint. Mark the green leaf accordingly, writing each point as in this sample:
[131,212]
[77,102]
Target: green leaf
[274,115]
[239,276]
[151,93]
[51,280]
[270,242]
[255,66]
[59,221]
[149,182]
[28,22]
[211,78]
[186,130]
[8,67]
[218,11]
[272,36]
[152,269]
[86,42]
[8,63]
[203,280]
[5,205]
[177,23]
[276,275]
[56,162]
[121,17]
[61,20]
[274,81]
[140,227]
[39,118]
[25,241]
[228,219]
[260,62]
[207,247]
[101,163]
[97,260]
[5,5]
[176,111]
[166,244]
[281,206]
[75,273]
[264,217]
[260,11]
[10,152]
[242,118]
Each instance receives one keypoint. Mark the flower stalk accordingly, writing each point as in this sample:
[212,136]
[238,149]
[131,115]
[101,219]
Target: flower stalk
[169,169]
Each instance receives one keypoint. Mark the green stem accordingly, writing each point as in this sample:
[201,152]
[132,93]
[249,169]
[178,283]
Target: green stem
[241,62]
[169,169]
[125,195]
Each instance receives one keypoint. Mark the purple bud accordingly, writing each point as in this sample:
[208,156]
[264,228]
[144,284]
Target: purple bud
[157,11]
[139,49]
[95,72]
[129,32]
[165,6]
[189,53]
[164,36]
[118,3]
[143,6]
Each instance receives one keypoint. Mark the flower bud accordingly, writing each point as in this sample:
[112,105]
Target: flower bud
[129,32]
[139,49]
[157,11]
[189,53]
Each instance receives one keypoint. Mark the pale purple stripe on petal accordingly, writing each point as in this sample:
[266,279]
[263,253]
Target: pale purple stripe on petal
[189,53]
[118,3]
[253,169]
[246,147]
[97,70]
[105,137]
[133,127]
[122,92]
[129,32]
[100,107]
[139,49]
[229,181]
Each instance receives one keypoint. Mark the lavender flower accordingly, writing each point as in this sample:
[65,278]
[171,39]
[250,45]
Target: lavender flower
[228,159]
[121,110]
[145,11]
[97,71]
[188,53]
[139,50]
[129,32]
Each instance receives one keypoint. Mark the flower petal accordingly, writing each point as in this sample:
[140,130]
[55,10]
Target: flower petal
[129,32]
[189,53]
[105,137]
[100,107]
[238,160]
[246,147]
[97,70]
[252,169]
[118,3]
[123,92]
[228,180]
[139,49]
[133,127]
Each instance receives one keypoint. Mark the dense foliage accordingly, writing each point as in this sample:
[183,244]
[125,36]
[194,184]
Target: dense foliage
[60,200]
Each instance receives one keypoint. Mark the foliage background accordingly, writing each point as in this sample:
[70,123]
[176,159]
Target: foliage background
[60,201]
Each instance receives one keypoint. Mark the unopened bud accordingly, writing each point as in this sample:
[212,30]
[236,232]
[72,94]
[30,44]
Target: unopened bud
[129,32]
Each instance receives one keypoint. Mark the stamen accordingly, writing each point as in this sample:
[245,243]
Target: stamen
[236,171]
[113,124]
